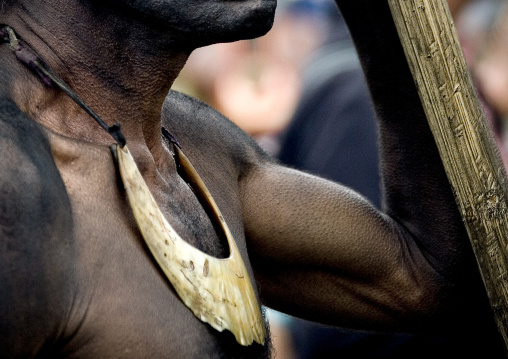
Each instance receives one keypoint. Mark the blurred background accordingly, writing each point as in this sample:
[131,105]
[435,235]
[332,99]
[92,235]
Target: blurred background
[300,92]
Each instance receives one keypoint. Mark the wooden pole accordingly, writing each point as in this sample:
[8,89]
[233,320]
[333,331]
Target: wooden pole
[468,151]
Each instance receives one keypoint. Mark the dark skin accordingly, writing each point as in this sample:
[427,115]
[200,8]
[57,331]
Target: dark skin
[76,278]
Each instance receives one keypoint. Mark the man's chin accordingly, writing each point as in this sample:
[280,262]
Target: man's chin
[251,28]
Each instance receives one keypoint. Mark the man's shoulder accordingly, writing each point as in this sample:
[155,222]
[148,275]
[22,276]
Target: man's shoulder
[17,127]
[28,174]
[21,139]
[194,115]
[197,125]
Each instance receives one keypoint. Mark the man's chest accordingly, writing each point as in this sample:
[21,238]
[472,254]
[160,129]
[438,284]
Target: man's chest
[126,305]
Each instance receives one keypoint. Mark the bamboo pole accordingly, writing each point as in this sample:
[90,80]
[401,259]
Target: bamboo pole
[468,151]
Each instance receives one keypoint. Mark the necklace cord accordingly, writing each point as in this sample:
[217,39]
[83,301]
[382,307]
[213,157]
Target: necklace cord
[49,78]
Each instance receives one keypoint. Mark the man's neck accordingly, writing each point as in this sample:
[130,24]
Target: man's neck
[124,79]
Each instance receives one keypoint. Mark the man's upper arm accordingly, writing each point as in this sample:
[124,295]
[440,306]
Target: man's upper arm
[300,229]
[35,238]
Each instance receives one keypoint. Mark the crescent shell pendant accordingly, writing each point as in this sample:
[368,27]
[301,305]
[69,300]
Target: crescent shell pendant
[218,291]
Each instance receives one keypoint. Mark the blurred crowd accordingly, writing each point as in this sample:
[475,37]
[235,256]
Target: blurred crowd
[482,26]
[300,92]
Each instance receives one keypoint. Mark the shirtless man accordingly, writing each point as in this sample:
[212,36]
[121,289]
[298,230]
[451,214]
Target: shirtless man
[76,279]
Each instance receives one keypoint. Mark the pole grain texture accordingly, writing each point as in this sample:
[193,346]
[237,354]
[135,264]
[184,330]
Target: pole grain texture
[468,151]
